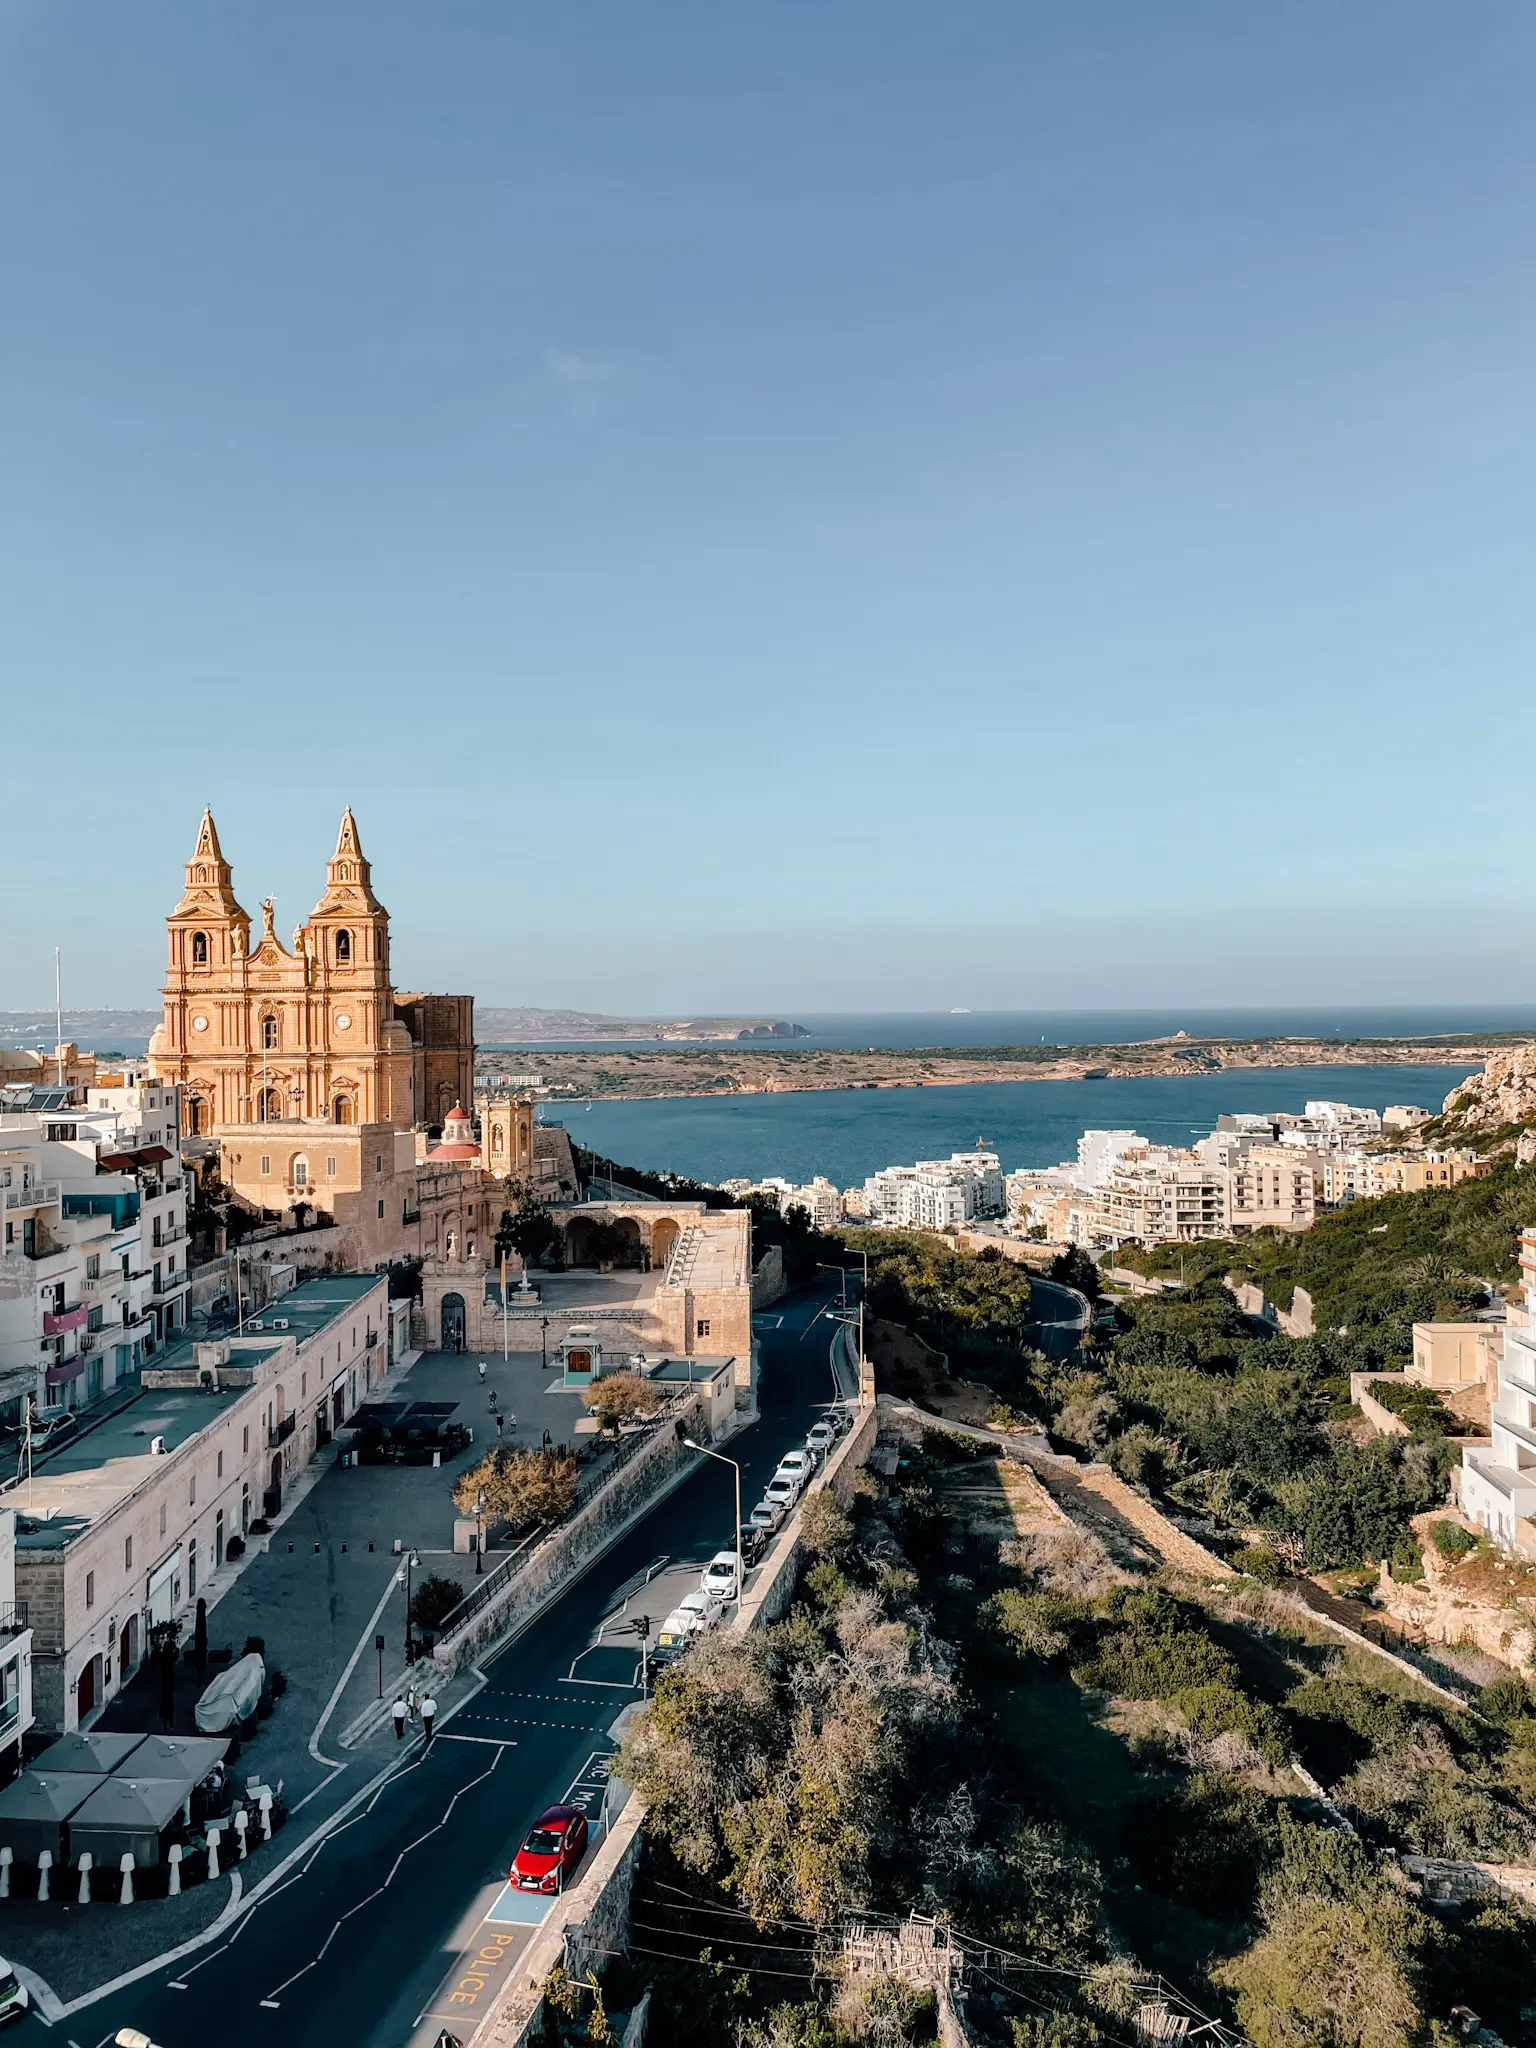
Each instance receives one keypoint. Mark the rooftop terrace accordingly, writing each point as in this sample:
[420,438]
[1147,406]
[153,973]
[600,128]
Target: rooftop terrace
[87,1478]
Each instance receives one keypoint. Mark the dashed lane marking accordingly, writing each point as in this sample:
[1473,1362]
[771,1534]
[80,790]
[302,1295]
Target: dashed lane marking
[270,2002]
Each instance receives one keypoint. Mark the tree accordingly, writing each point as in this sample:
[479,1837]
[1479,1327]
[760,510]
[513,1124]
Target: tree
[1341,1954]
[434,1600]
[825,1527]
[522,1488]
[1074,1268]
[405,1280]
[622,1397]
[526,1226]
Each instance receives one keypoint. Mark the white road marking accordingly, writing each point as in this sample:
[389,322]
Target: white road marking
[380,1889]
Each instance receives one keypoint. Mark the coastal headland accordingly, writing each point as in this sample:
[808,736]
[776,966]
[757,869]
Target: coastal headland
[606,1073]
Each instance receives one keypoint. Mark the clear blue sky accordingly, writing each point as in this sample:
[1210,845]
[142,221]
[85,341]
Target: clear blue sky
[862,505]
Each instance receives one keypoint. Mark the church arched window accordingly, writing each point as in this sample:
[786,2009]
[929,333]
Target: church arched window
[199,949]
[498,1139]
[269,1034]
[301,1171]
[197,1111]
[343,945]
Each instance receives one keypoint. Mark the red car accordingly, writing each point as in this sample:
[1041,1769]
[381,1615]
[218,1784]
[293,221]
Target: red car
[554,1846]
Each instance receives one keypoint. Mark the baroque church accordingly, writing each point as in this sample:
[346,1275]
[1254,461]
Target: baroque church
[312,1031]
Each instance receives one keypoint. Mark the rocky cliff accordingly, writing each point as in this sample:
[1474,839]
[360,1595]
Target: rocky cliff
[1499,1103]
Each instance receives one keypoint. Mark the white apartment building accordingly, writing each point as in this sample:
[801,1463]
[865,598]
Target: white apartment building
[93,1267]
[1100,1152]
[936,1194]
[1498,1478]
[890,1197]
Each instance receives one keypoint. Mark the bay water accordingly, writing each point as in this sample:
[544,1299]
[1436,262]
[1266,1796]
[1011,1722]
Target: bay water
[850,1133]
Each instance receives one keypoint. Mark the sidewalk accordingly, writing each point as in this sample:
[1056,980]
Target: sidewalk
[321,1586]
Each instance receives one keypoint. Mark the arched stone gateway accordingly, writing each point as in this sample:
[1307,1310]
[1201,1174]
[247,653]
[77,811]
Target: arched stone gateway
[665,1232]
[452,1325]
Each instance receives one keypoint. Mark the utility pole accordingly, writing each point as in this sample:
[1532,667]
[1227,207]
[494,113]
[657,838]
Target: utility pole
[58,1015]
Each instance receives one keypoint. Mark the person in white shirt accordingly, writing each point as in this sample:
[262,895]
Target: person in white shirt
[428,1716]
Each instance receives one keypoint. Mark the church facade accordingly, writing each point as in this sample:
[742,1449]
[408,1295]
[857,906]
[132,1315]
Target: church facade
[314,1030]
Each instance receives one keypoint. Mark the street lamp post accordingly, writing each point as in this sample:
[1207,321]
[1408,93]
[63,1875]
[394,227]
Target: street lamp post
[544,1342]
[720,1455]
[403,1578]
[480,1532]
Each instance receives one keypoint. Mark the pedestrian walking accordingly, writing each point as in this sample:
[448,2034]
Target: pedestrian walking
[413,1704]
[428,1716]
[501,1423]
[482,1372]
[493,1400]
[398,1713]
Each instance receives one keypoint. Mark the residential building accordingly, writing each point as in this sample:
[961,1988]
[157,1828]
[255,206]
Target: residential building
[93,1270]
[315,1032]
[936,1194]
[16,1716]
[1452,1355]
[1412,1173]
[1154,1201]
[1404,1116]
[120,1527]
[1270,1188]
[1498,1477]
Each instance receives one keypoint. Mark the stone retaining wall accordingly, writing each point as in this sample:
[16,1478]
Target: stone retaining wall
[573,1545]
[593,1918]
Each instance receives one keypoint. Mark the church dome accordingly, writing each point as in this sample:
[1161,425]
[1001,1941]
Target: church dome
[459,1145]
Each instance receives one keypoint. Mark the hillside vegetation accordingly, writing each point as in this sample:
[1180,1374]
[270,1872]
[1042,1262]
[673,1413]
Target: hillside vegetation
[1088,1775]
[1377,1267]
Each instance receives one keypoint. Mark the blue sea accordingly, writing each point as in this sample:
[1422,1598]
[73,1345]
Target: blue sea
[850,1133]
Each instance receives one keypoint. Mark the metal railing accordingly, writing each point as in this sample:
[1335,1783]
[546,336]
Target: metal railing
[627,1447]
[282,1432]
[13,1617]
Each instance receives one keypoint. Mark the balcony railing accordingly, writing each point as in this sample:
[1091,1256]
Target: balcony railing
[282,1432]
[13,1617]
[41,1194]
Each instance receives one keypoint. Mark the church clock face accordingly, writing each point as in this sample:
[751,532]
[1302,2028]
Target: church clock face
[199,1023]
[342,1020]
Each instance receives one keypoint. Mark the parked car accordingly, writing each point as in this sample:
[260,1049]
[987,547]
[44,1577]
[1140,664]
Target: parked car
[674,1635]
[51,1429]
[551,1850]
[822,1437]
[720,1575]
[708,1606]
[754,1542]
[783,1489]
[796,1465]
[768,1514]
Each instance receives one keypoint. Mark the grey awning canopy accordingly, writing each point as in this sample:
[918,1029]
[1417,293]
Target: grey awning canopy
[87,1753]
[35,1807]
[184,1759]
[129,1806]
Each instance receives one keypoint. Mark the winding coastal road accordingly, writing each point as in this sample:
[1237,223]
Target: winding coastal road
[397,1923]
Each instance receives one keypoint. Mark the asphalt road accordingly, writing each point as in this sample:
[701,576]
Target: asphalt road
[380,1935]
